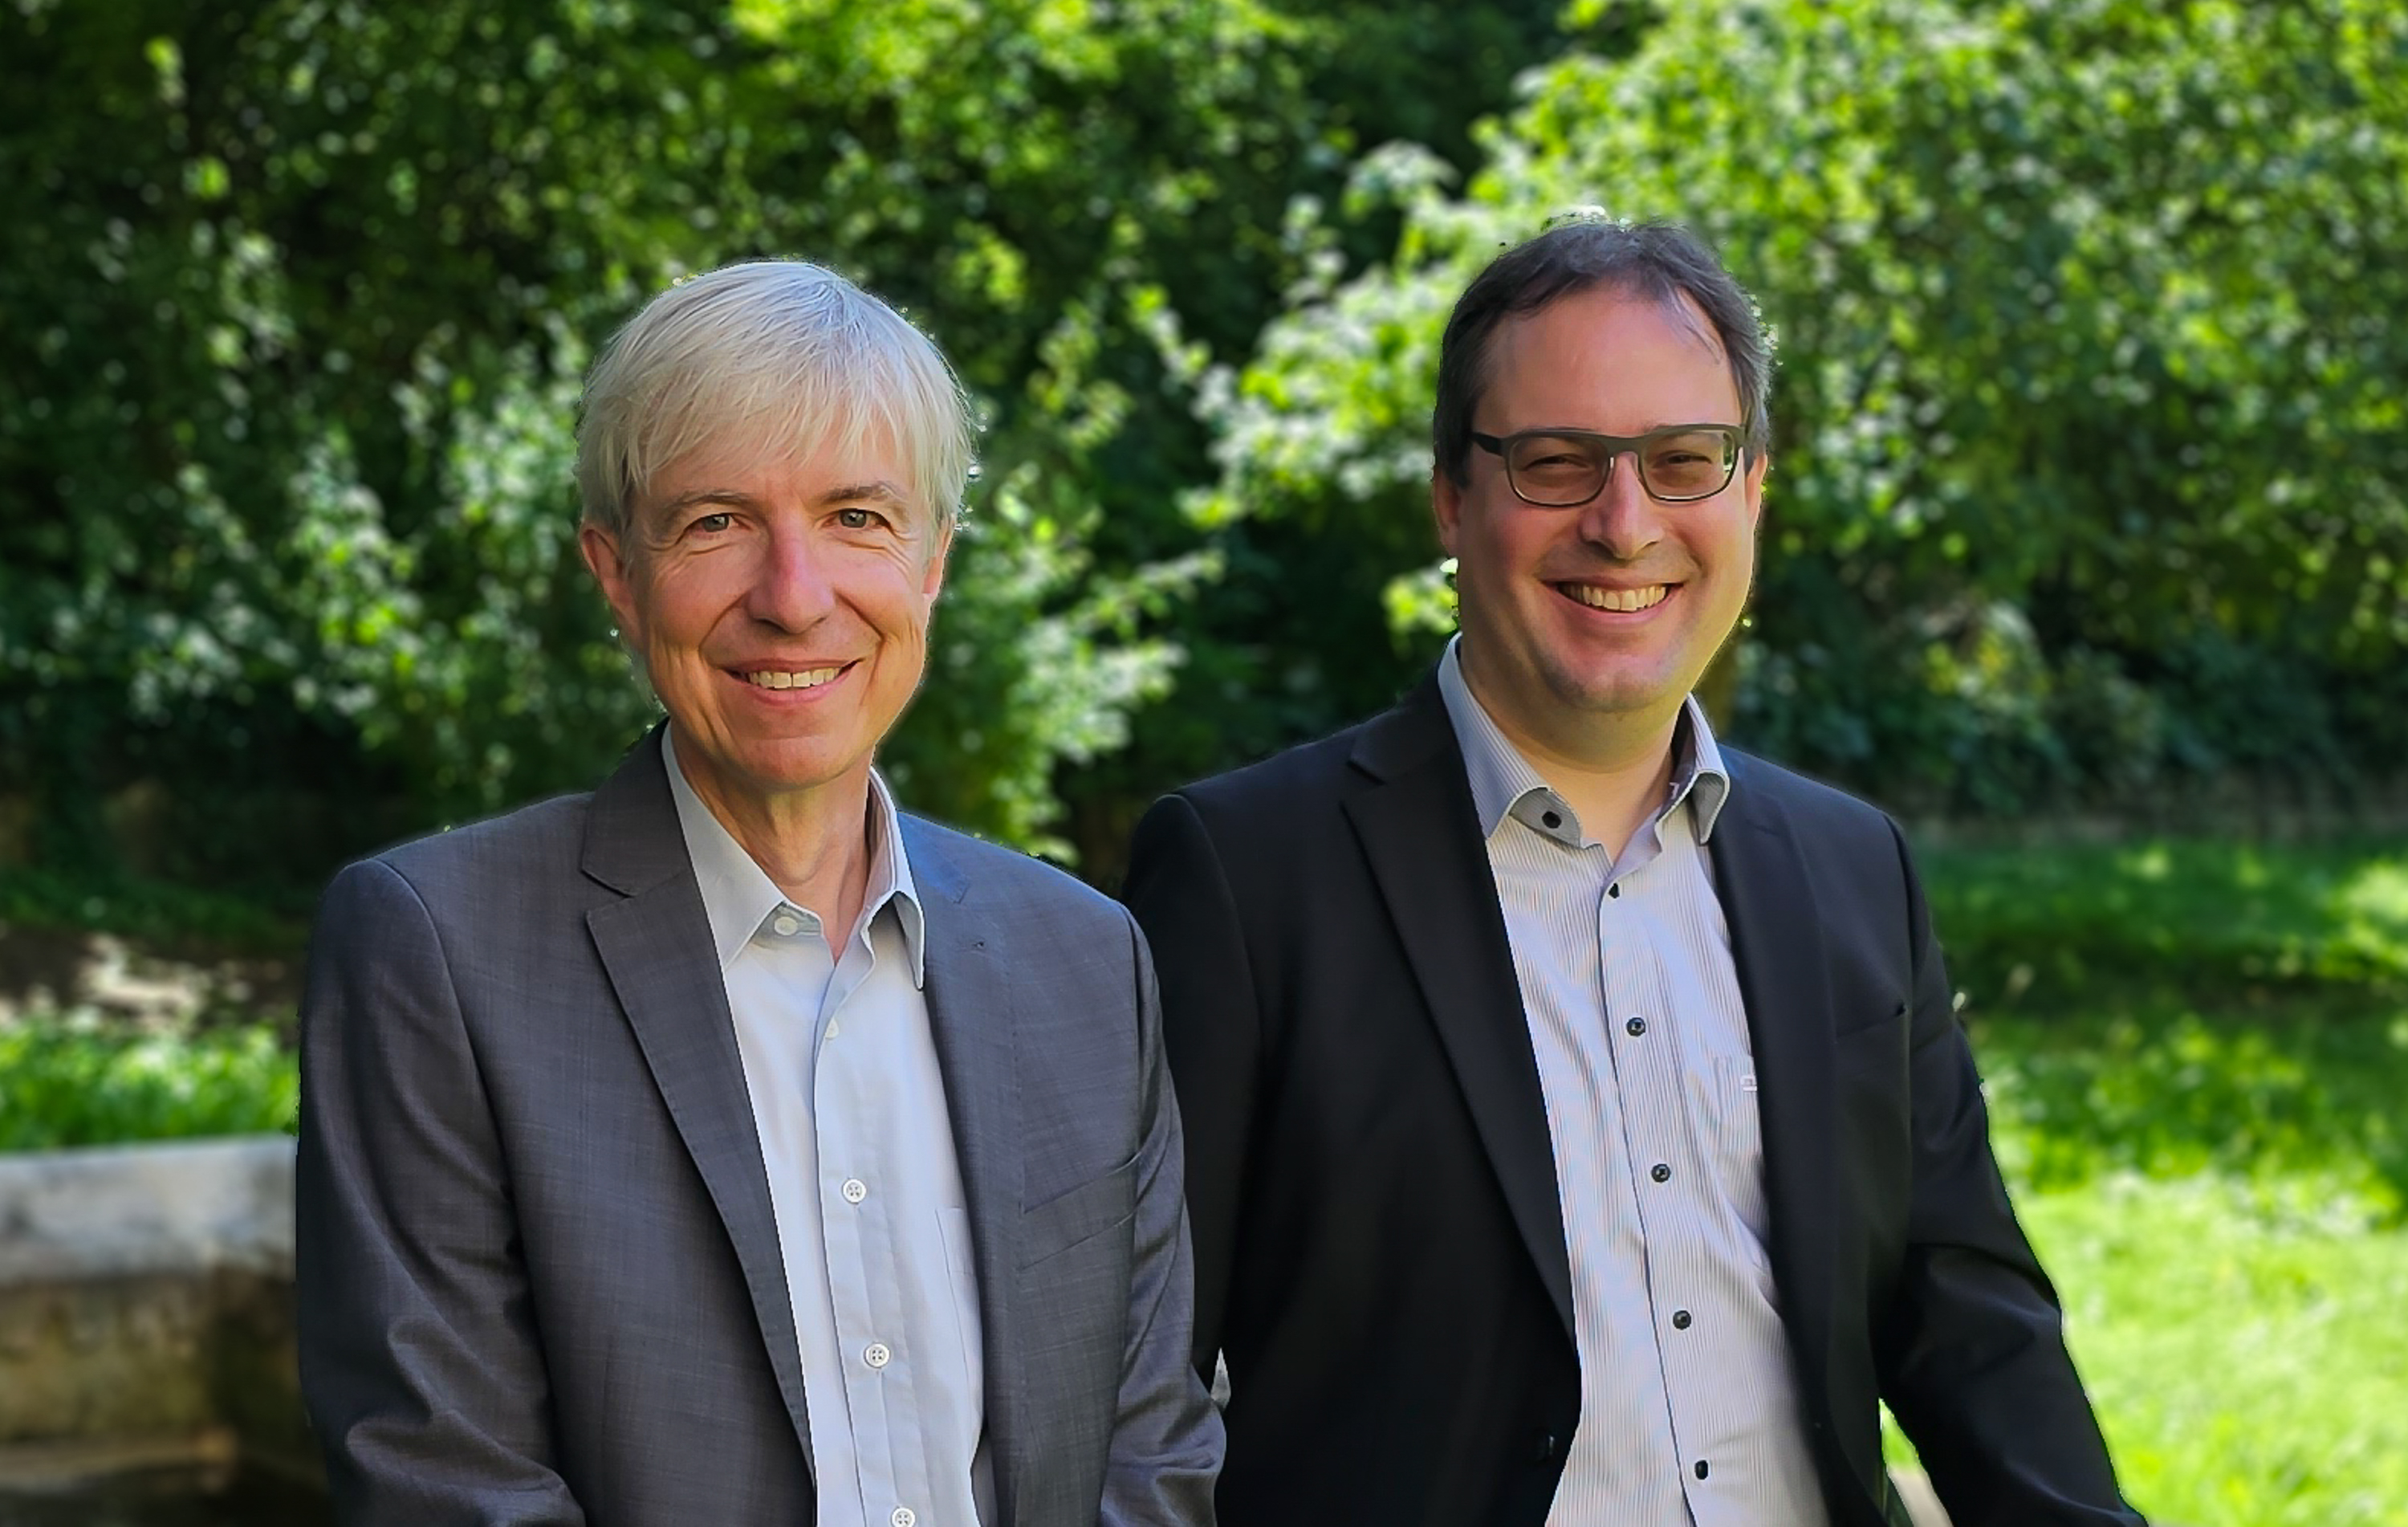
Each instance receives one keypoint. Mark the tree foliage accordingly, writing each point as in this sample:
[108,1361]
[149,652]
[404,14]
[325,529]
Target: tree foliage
[2090,455]
[295,294]
[2089,466]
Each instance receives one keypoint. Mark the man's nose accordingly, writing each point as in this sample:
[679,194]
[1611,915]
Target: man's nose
[790,588]
[1622,520]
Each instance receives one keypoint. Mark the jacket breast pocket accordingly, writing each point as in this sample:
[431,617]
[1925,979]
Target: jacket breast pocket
[1079,1215]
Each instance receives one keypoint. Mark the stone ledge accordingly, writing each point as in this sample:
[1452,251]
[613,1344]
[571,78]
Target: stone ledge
[146,1299]
[190,1208]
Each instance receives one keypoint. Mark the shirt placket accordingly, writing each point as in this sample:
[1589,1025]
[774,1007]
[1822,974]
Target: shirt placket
[861,1212]
[1607,1249]
[1660,1145]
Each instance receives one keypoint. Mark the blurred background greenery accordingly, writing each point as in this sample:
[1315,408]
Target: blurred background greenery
[2086,511]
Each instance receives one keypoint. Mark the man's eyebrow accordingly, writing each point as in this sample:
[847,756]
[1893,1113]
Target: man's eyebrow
[709,496]
[880,492]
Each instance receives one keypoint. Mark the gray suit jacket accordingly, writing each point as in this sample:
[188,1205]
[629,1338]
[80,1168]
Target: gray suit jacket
[538,1276]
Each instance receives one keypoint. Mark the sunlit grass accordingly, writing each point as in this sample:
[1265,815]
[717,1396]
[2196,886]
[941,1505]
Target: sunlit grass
[2196,1056]
[2250,1369]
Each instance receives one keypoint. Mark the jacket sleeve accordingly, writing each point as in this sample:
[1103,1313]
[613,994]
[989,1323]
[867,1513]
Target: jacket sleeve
[1166,1437]
[420,1365]
[1971,1345]
[1212,1031]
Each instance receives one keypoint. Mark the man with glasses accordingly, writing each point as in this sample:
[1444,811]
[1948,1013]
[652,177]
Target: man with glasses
[1579,1130]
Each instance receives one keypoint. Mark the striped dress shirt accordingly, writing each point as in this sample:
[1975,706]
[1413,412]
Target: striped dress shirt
[1688,1409]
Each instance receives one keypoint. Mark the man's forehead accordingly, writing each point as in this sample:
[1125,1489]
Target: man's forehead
[770,463]
[1599,304]
[1607,336]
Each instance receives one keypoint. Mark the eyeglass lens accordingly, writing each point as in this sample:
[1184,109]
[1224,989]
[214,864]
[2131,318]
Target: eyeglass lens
[1672,465]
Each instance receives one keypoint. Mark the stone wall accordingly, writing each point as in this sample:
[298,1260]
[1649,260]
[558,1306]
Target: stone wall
[146,1310]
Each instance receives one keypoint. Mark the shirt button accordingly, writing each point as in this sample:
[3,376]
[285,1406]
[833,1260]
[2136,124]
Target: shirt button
[903,1516]
[1635,1027]
[1553,819]
[854,1189]
[876,1355]
[1660,1172]
[1680,1319]
[1613,890]
[784,925]
[1701,1468]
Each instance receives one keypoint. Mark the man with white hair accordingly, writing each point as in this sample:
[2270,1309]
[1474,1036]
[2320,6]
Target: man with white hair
[725,1145]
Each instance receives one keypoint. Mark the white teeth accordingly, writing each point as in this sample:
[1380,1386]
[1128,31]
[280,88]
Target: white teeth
[1625,600]
[809,677]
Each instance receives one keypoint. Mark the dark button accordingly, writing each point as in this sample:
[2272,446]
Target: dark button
[1635,1027]
[1552,819]
[1701,1468]
[1615,890]
[1542,1447]
[1680,1319]
[1660,1172]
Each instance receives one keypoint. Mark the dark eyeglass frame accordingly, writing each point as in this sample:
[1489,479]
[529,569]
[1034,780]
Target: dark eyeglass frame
[1615,447]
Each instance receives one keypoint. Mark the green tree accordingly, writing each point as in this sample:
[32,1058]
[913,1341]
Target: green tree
[2090,462]
[294,293]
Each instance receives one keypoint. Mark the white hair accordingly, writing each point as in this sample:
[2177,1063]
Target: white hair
[783,351]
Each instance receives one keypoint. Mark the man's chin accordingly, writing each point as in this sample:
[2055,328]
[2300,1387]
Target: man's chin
[765,767]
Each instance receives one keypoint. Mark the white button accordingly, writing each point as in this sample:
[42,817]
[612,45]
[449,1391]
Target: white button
[784,925]
[877,1356]
[902,1517]
[831,1028]
[854,1189]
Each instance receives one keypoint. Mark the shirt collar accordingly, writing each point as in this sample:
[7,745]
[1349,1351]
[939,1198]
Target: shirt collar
[738,895]
[1501,777]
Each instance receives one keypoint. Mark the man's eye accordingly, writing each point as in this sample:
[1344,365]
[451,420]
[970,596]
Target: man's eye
[712,524]
[856,519]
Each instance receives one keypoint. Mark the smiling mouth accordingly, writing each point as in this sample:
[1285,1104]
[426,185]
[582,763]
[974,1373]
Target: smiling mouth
[1623,600]
[799,678]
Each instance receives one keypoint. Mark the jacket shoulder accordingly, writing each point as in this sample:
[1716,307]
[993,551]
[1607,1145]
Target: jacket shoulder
[1308,773]
[518,847]
[1004,873]
[1802,793]
[1818,809]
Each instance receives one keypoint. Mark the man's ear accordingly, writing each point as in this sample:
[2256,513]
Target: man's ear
[1759,463]
[939,550]
[1446,507]
[603,560]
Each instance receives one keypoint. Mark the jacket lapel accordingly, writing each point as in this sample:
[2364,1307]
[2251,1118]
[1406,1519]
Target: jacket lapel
[970,1018]
[657,945]
[1776,944]
[1419,830]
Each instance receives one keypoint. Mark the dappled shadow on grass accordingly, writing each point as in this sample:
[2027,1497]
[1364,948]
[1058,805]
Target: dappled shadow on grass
[2207,920]
[2177,1008]
[2299,1100]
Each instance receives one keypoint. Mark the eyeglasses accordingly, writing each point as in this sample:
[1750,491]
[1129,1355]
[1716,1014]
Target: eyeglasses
[1562,469]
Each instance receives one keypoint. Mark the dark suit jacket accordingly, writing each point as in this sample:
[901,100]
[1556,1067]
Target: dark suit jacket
[1380,1249]
[539,1280]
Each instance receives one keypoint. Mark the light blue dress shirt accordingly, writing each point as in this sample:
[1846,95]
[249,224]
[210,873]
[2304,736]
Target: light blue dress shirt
[850,1107]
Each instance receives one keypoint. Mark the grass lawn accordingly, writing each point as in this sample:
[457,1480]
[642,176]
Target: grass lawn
[2196,1057]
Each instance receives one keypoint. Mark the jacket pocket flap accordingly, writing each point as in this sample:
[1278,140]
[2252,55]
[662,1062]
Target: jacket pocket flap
[1086,1211]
